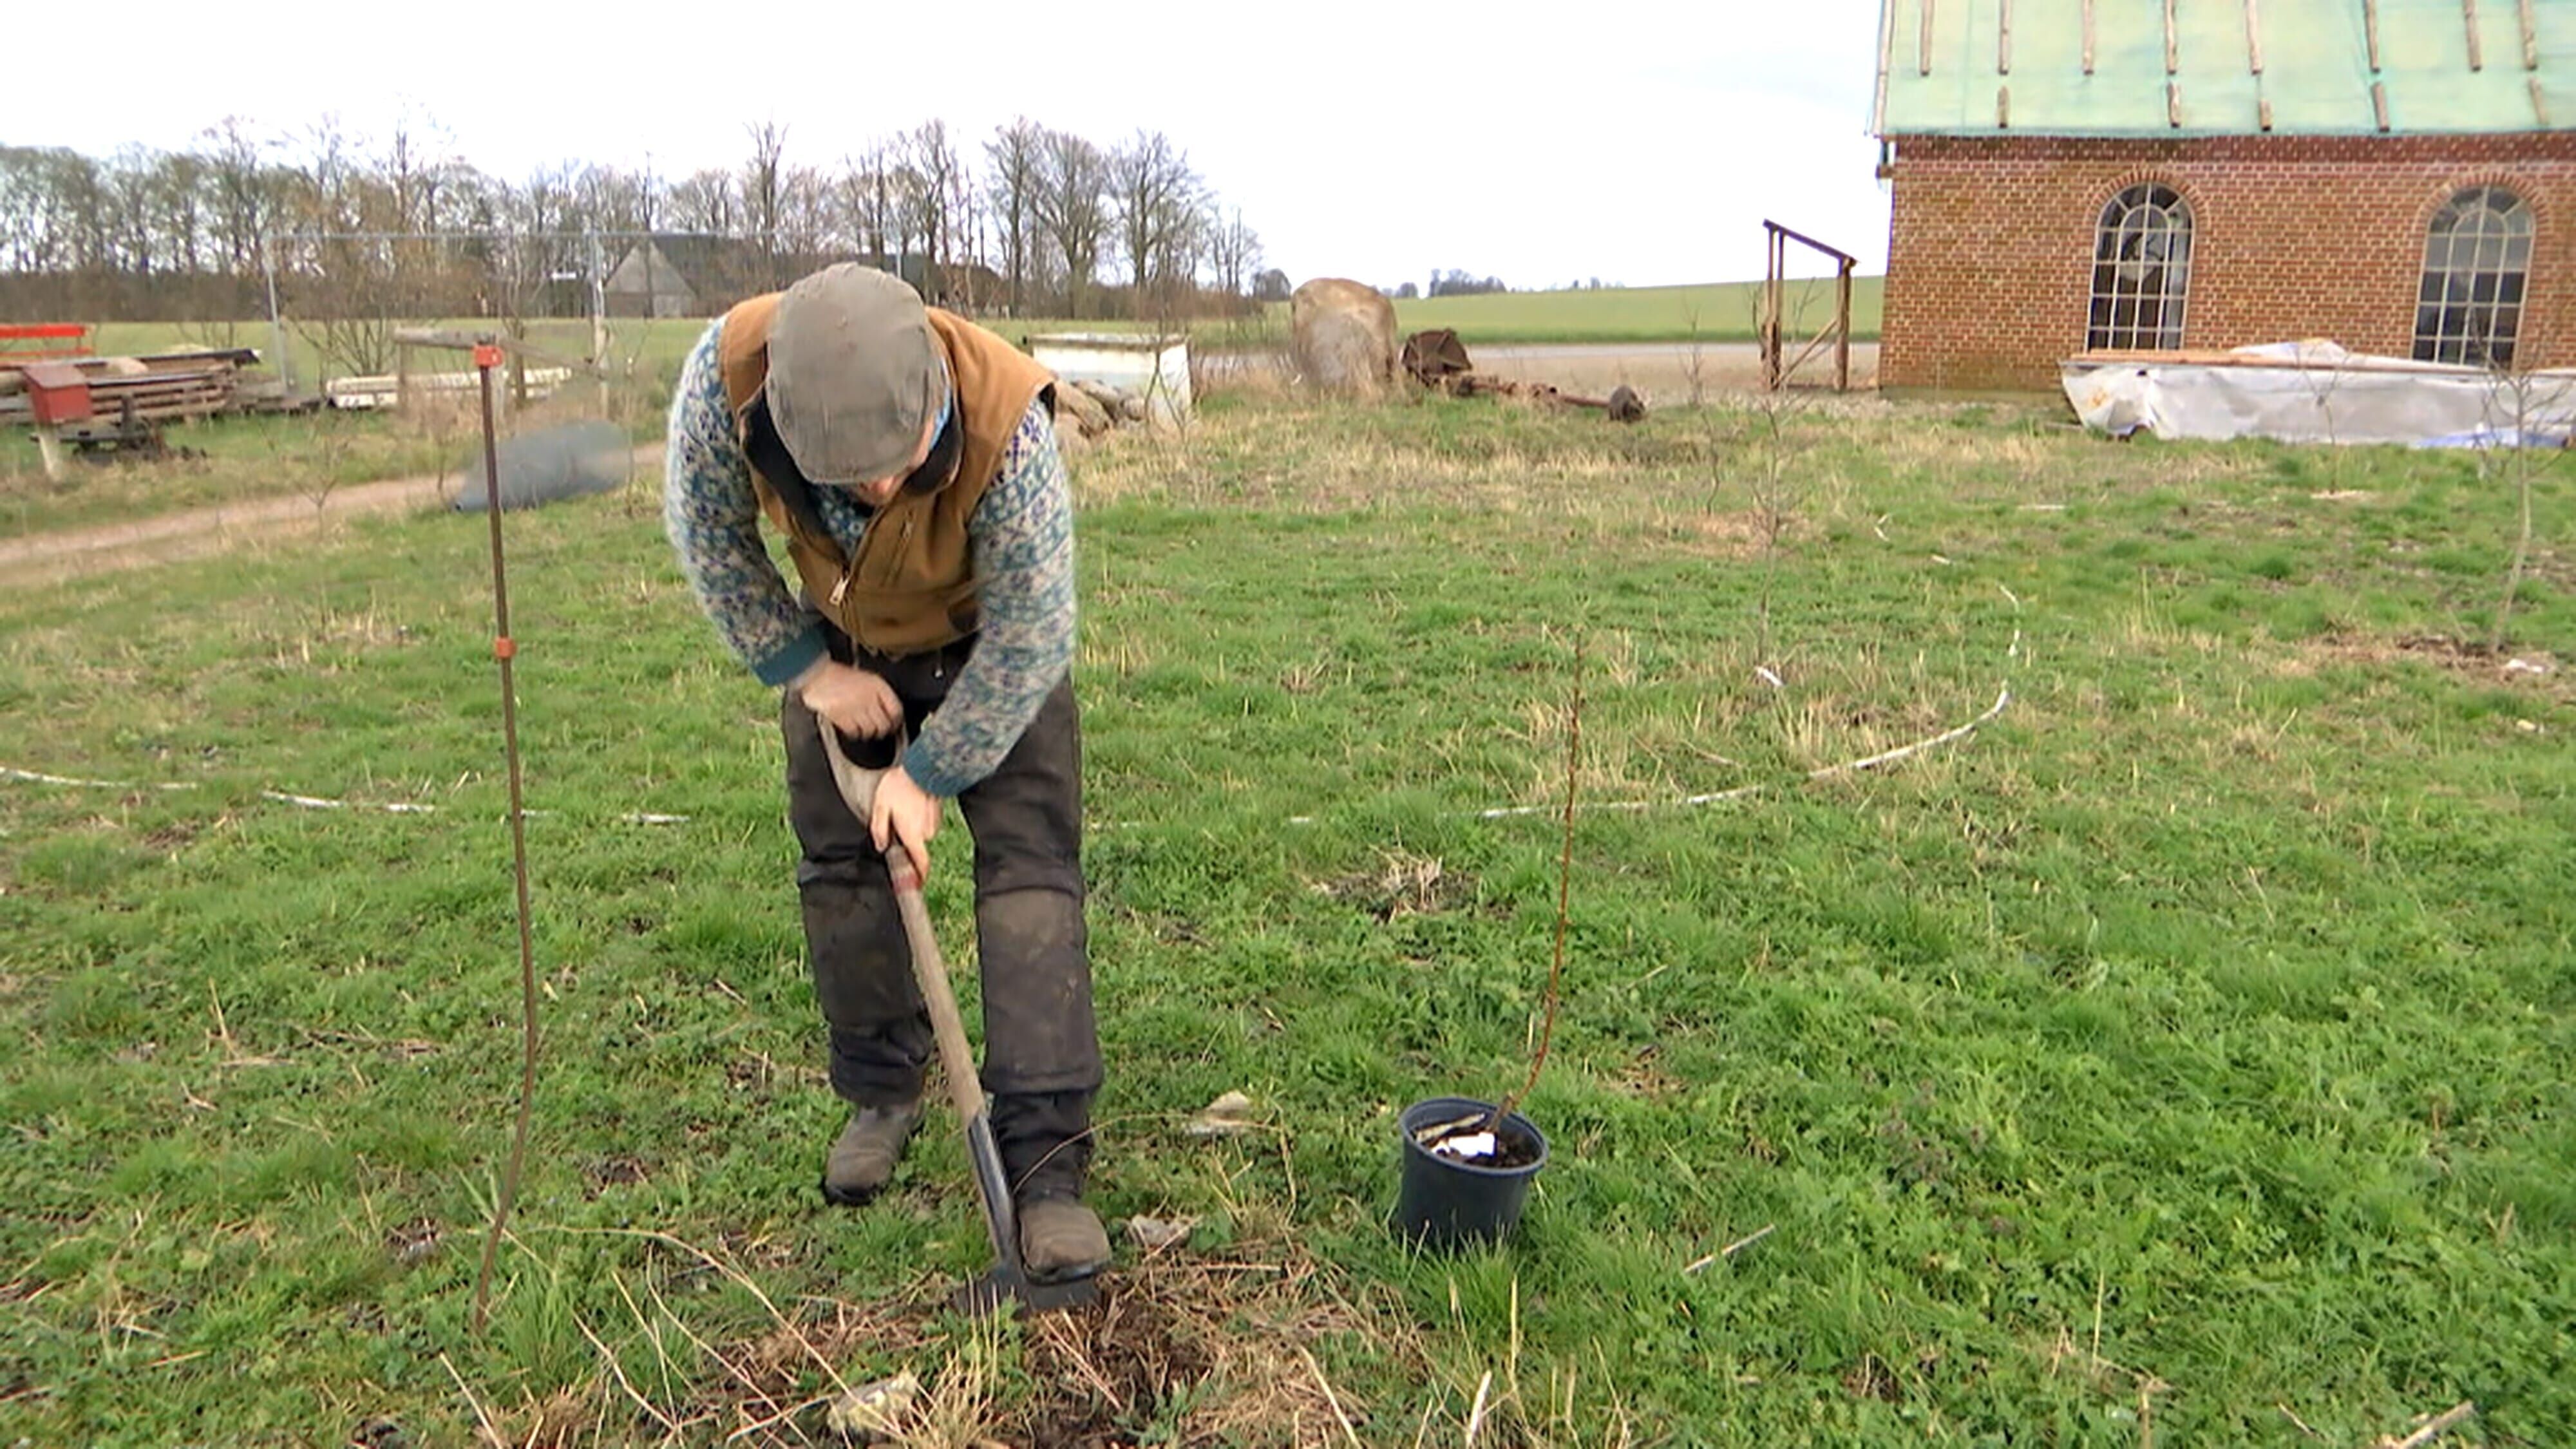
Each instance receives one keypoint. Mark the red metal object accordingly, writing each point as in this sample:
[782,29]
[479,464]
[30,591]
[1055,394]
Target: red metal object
[74,333]
[487,354]
[57,393]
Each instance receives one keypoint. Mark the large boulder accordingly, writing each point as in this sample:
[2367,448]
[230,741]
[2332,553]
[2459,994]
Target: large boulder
[1075,404]
[1344,335]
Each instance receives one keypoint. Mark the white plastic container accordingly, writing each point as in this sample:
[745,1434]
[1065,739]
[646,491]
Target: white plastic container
[1156,368]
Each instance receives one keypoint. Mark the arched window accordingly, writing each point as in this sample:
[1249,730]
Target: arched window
[2141,269]
[2477,255]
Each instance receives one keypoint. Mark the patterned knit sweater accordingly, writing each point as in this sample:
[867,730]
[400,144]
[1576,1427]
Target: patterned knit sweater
[1021,541]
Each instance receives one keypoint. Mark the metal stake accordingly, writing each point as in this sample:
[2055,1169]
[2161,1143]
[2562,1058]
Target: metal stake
[486,357]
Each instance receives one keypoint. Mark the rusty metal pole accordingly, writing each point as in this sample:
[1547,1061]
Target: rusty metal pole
[1775,260]
[1842,343]
[487,356]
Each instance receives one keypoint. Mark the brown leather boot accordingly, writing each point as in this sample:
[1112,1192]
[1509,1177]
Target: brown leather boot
[1061,1240]
[862,1160]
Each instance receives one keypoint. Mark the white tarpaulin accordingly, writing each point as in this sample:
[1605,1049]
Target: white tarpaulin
[2314,392]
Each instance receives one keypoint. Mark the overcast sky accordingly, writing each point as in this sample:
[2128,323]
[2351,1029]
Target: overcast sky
[1642,143]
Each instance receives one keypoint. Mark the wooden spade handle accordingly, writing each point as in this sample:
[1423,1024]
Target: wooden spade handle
[929,968]
[930,972]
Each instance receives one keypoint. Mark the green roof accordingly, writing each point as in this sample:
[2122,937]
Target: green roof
[2225,67]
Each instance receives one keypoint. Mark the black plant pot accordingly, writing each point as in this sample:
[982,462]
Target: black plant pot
[1446,1203]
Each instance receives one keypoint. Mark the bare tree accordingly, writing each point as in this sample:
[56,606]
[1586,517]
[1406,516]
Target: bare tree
[1233,251]
[805,221]
[937,199]
[244,192]
[346,275]
[870,200]
[1157,197]
[1016,154]
[764,184]
[2521,406]
[706,202]
[348,222]
[1073,210]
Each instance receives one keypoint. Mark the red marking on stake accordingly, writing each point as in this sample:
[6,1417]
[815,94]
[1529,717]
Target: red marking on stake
[487,354]
[505,647]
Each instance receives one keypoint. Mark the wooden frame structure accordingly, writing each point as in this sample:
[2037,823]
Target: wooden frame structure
[1776,365]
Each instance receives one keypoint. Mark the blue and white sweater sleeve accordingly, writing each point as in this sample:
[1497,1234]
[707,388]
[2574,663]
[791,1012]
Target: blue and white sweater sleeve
[712,513]
[1021,536]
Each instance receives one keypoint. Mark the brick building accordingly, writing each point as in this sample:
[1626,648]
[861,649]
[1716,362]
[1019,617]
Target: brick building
[2087,175]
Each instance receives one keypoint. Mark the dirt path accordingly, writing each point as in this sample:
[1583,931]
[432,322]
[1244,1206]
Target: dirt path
[46,558]
[1668,373]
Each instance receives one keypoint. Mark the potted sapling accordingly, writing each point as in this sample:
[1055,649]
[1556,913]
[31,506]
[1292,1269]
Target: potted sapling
[1468,1164]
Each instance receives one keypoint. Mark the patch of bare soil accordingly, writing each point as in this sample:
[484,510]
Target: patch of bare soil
[1182,1349]
[1107,1372]
[1403,884]
[2533,672]
[1218,1350]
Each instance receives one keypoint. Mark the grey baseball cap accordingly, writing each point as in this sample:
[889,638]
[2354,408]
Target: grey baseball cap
[854,374]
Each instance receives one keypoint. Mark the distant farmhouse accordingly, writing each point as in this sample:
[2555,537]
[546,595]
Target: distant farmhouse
[2084,175]
[676,274]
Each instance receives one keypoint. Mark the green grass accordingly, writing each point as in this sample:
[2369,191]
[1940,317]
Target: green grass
[1713,312]
[2188,1050]
[234,459]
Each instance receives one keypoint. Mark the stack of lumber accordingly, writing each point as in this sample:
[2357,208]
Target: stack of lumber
[385,390]
[160,387]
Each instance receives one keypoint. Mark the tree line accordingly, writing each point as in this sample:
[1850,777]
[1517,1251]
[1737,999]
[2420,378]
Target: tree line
[1028,220]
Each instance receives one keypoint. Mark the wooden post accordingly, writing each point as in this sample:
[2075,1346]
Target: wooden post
[2469,17]
[2254,37]
[2003,108]
[2003,38]
[2173,43]
[1923,38]
[2370,29]
[402,379]
[2173,104]
[1842,344]
[2530,39]
[2088,37]
[599,317]
[2379,102]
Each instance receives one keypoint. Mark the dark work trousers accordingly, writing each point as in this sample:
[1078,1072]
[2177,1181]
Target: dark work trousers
[1041,1048]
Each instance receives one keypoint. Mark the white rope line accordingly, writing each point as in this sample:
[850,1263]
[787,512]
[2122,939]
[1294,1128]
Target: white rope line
[300,802]
[1956,733]
[38,777]
[1952,735]
[2003,698]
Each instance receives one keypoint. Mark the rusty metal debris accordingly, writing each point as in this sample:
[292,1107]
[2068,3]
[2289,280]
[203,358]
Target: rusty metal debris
[1437,360]
[1777,365]
[1434,354]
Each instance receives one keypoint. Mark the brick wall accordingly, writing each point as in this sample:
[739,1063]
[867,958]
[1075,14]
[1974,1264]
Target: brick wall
[1990,248]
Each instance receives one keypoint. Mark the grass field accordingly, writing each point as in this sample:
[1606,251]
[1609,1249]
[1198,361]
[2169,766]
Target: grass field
[1716,312]
[2182,1059]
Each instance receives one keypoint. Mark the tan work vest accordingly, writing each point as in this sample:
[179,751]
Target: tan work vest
[911,587]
